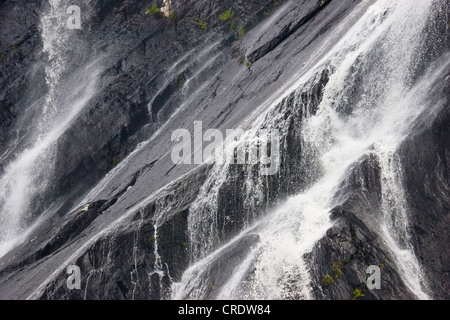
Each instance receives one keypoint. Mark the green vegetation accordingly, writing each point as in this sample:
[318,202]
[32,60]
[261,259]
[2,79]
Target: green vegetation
[226,16]
[184,244]
[233,26]
[229,17]
[327,281]
[347,260]
[116,161]
[266,13]
[2,57]
[241,32]
[276,3]
[242,61]
[202,24]
[337,269]
[172,16]
[153,10]
[381,266]
[356,294]
[181,83]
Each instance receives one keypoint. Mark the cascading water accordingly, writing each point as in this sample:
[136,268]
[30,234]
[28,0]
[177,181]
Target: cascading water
[369,105]
[70,86]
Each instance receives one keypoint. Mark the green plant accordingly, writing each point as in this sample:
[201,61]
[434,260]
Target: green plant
[347,260]
[276,3]
[181,83]
[229,16]
[202,24]
[327,281]
[241,32]
[116,161]
[244,62]
[356,294]
[266,13]
[184,244]
[232,26]
[172,16]
[153,10]
[226,16]
[336,267]
[381,266]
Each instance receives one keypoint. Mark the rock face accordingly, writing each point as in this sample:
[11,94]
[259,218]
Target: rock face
[136,223]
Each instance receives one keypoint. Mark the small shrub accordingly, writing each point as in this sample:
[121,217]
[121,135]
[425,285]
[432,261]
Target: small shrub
[226,16]
[181,83]
[241,32]
[172,16]
[116,161]
[184,244]
[229,16]
[336,267]
[202,24]
[356,294]
[153,10]
[244,62]
[232,26]
[327,281]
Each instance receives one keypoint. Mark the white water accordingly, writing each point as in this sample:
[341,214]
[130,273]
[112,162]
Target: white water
[383,44]
[27,175]
[292,229]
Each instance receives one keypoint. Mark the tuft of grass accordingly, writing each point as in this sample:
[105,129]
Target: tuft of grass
[242,61]
[181,83]
[153,10]
[173,16]
[327,281]
[241,32]
[356,294]
[233,26]
[337,269]
[116,161]
[227,16]
[202,24]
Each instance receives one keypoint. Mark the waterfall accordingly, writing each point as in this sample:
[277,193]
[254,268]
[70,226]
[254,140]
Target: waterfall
[70,85]
[369,106]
